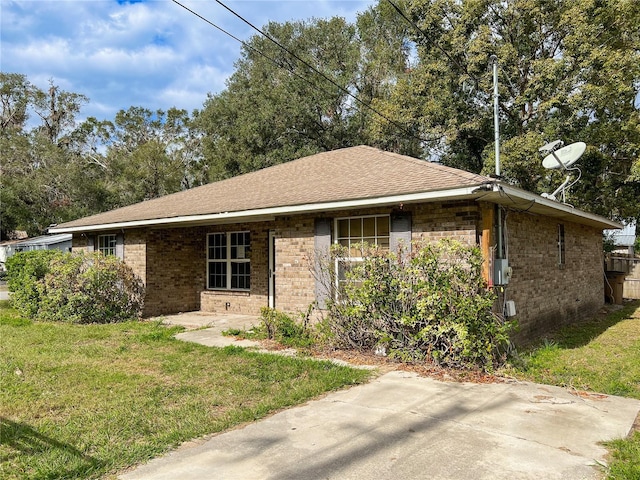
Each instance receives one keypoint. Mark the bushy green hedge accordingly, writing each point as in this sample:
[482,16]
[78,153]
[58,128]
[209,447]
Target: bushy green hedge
[430,304]
[75,288]
[25,271]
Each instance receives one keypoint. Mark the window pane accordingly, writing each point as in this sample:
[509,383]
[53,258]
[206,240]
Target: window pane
[240,245]
[217,246]
[241,275]
[356,227]
[383,226]
[369,227]
[107,244]
[383,243]
[343,228]
[561,244]
[217,275]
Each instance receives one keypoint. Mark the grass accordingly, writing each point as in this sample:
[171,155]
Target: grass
[87,401]
[603,356]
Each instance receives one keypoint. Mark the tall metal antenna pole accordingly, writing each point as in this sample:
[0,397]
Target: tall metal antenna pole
[496,126]
[496,122]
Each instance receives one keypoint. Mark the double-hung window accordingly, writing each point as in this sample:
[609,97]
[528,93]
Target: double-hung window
[107,244]
[354,233]
[228,261]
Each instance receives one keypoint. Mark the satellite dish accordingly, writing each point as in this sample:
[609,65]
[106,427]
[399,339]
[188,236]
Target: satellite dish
[564,157]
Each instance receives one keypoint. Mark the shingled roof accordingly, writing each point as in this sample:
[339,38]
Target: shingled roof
[354,173]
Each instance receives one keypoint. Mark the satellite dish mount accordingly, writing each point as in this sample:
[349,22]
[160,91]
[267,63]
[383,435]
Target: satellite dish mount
[562,158]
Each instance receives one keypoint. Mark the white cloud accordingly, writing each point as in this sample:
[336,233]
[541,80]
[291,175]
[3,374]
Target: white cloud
[153,54]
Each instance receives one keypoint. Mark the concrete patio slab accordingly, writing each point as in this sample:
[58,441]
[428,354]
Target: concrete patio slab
[401,426]
[206,328]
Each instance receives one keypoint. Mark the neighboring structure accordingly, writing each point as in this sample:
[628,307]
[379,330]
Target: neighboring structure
[46,242]
[623,240]
[252,240]
[623,263]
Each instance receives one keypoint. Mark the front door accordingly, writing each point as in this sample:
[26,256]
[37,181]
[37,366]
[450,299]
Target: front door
[272,269]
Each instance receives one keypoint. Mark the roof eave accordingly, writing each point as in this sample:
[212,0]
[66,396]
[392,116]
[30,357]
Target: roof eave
[265,214]
[494,192]
[519,199]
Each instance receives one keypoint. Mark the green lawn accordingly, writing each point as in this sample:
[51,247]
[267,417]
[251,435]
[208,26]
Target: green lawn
[601,356]
[87,401]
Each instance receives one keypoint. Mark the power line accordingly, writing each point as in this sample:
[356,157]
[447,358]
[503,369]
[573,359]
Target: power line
[307,64]
[282,47]
[244,44]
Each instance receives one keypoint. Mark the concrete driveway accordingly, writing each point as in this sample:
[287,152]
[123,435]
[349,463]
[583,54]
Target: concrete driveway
[401,426]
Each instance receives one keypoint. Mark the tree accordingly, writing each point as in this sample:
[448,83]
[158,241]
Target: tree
[150,154]
[55,171]
[57,110]
[560,78]
[36,172]
[15,96]
[277,108]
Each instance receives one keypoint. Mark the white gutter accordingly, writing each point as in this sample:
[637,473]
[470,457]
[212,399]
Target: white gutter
[509,191]
[259,214]
[505,192]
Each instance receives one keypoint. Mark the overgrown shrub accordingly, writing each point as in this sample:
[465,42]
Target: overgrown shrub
[25,271]
[281,327]
[74,288]
[430,304]
[90,288]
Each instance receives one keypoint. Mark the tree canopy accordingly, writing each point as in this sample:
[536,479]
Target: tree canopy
[569,70]
[55,169]
[414,77]
[283,104]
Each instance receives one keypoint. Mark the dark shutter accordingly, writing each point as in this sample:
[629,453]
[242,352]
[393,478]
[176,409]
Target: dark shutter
[322,246]
[91,243]
[400,231]
[120,246]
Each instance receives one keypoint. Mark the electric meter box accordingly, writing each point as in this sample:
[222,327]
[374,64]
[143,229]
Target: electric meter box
[501,271]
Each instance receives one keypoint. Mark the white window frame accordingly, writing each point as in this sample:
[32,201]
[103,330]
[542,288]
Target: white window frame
[107,247]
[357,240]
[229,261]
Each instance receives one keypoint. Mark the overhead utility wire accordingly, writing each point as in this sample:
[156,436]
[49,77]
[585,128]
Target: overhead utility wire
[245,44]
[282,47]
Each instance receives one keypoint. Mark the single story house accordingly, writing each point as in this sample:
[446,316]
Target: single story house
[251,241]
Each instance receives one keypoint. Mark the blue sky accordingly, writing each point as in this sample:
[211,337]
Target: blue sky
[152,54]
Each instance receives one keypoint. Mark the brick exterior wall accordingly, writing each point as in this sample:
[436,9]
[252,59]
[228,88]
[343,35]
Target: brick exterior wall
[79,243]
[546,294]
[135,252]
[457,220]
[174,270]
[173,263]
[295,282]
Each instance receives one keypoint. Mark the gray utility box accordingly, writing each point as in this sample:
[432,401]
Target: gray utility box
[501,271]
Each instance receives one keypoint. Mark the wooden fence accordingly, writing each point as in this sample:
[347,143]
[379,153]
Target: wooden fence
[631,268]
